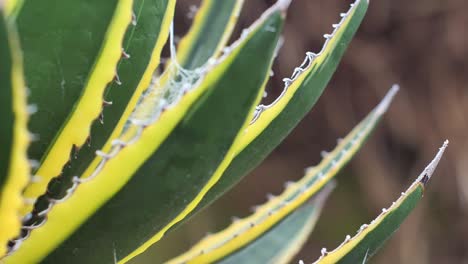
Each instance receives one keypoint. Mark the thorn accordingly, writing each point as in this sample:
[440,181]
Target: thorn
[125,55]
[311,55]
[117,79]
[192,11]
[101,118]
[33,137]
[134,20]
[27,217]
[31,109]
[88,141]
[254,208]
[288,184]
[347,238]
[29,201]
[106,103]
[270,197]
[324,153]
[75,150]
[35,179]
[103,154]
[34,163]
[324,252]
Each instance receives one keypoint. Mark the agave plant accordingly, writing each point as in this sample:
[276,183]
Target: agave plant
[112,153]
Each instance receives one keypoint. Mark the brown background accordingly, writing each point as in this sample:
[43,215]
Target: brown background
[423,46]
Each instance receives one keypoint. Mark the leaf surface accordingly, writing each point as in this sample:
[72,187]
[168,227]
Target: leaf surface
[370,238]
[143,44]
[278,244]
[271,124]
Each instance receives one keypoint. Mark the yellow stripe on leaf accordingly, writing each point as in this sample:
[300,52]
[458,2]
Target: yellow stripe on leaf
[11,199]
[77,126]
[370,237]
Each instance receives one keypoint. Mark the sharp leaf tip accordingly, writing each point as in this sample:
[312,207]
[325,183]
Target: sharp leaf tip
[385,103]
[430,168]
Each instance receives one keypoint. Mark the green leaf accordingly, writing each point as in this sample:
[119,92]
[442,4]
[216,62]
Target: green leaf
[209,33]
[370,238]
[284,240]
[246,241]
[14,138]
[295,194]
[72,49]
[159,171]
[143,44]
[273,123]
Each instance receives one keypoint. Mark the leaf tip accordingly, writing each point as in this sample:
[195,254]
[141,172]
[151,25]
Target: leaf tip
[283,4]
[430,168]
[385,103]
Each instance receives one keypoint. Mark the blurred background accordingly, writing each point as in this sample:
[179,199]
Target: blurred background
[423,46]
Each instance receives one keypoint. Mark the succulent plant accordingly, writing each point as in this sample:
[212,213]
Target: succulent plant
[114,151]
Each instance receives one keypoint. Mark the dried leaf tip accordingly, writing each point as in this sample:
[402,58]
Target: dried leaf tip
[385,103]
[430,168]
[283,4]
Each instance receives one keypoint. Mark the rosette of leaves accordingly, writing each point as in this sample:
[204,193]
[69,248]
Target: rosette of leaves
[102,153]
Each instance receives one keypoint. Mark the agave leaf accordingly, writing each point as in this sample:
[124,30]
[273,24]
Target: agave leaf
[277,244]
[14,139]
[284,240]
[72,49]
[150,17]
[152,20]
[210,30]
[136,44]
[370,238]
[143,44]
[273,123]
[163,165]
[293,196]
